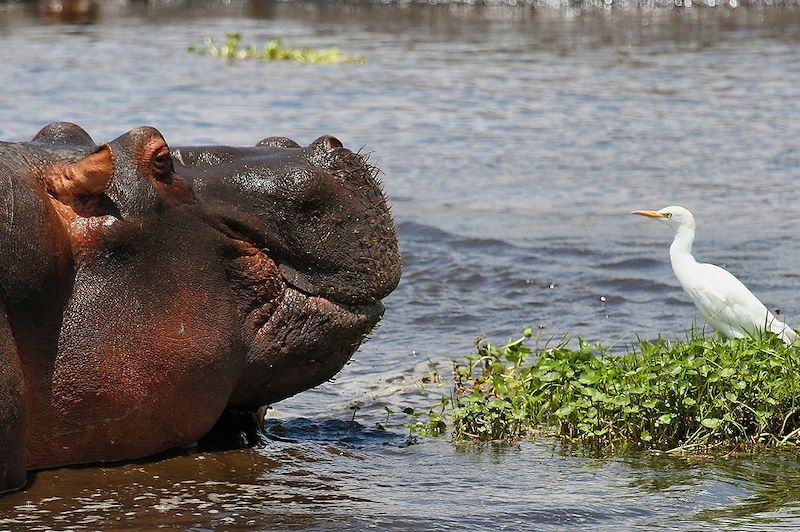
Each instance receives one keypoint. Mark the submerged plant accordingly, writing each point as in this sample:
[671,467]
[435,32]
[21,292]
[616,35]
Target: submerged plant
[697,394]
[274,50]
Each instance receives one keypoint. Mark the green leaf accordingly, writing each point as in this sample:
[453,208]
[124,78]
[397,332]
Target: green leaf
[565,411]
[711,422]
[550,376]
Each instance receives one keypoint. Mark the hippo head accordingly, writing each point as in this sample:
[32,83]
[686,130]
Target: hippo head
[315,245]
[316,214]
[235,276]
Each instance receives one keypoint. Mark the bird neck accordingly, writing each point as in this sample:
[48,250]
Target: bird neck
[681,248]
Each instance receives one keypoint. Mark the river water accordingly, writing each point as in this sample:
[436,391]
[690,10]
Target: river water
[514,143]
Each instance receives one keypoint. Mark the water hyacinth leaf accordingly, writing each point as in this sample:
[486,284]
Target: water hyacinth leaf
[498,404]
[621,400]
[550,376]
[674,369]
[565,411]
[711,422]
[599,396]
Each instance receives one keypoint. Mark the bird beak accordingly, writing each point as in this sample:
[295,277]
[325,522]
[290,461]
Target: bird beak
[649,214]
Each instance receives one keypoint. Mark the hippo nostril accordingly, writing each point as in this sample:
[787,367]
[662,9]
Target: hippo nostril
[332,142]
[326,143]
[278,142]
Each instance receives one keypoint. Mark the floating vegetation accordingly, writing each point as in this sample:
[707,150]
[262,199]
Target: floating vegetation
[272,51]
[697,395]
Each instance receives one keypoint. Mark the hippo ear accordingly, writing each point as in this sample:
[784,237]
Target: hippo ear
[89,176]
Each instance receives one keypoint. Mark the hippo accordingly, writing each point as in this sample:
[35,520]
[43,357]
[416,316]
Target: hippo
[220,278]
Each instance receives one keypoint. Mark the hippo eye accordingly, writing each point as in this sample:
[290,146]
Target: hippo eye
[162,162]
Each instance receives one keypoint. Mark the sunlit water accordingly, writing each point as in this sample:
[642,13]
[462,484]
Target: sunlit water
[514,144]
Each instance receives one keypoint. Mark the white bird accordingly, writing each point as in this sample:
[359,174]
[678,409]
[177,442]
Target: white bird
[722,300]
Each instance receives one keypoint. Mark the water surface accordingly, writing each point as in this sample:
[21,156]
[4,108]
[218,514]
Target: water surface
[514,143]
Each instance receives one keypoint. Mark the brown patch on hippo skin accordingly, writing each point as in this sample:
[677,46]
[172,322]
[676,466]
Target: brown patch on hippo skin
[256,276]
[160,383]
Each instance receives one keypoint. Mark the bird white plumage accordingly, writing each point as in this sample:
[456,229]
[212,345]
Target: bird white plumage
[722,300]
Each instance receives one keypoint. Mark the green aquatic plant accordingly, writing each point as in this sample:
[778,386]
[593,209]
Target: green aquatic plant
[274,50]
[434,424]
[698,394]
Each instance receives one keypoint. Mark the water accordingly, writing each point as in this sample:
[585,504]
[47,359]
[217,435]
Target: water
[514,144]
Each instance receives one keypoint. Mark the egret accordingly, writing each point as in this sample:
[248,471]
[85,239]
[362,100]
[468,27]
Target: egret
[722,300]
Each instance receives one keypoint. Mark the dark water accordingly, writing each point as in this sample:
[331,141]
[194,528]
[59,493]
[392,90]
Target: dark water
[514,142]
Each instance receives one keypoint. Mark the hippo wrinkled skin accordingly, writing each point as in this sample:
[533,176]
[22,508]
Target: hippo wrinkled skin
[176,288]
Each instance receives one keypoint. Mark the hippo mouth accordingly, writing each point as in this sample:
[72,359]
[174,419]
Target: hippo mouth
[299,338]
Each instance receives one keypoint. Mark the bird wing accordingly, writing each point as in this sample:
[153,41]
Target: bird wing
[721,298]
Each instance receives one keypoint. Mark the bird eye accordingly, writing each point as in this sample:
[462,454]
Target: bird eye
[667,215]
